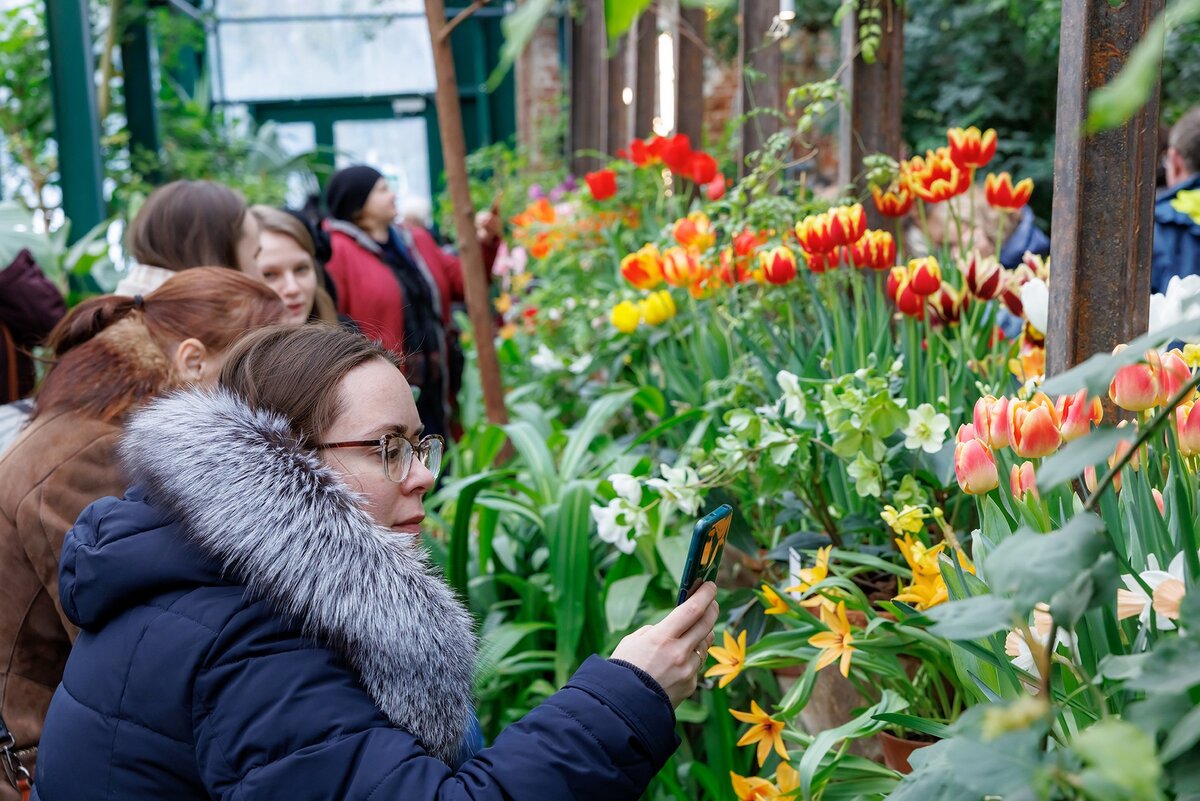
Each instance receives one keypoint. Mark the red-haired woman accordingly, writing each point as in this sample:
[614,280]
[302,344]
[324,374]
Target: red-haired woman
[113,354]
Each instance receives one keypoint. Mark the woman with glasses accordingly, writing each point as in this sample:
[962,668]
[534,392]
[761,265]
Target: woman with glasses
[259,619]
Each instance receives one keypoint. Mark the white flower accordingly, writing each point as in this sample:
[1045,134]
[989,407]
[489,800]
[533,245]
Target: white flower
[546,360]
[867,475]
[580,365]
[1180,302]
[794,405]
[926,429]
[780,447]
[554,314]
[1021,655]
[678,485]
[611,528]
[1035,301]
[570,303]
[627,487]
[1133,600]
[740,420]
[729,453]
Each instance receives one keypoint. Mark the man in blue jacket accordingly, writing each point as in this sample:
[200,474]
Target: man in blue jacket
[1177,210]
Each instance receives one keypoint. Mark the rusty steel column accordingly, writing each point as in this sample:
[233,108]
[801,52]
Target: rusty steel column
[870,120]
[588,103]
[1103,218]
[759,60]
[620,115]
[645,90]
[689,76]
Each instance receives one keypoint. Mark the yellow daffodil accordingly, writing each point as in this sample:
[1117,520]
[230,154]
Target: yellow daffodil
[811,577]
[765,730]
[775,604]
[730,659]
[909,520]
[836,643]
[753,788]
[1191,355]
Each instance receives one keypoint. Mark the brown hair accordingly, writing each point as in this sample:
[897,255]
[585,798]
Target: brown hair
[186,224]
[296,372]
[1185,138]
[111,351]
[280,222]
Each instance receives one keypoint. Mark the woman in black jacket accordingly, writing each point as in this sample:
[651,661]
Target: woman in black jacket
[259,619]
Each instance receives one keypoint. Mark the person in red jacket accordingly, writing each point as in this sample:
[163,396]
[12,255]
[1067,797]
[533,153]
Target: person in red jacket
[398,286]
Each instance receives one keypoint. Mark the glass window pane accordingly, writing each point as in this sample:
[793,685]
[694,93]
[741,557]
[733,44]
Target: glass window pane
[226,9]
[262,61]
[397,148]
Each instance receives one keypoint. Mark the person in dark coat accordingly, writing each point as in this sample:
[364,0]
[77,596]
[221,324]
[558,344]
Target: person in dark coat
[1177,209]
[259,619]
[30,306]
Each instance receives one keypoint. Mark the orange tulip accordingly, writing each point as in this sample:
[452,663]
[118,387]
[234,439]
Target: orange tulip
[936,178]
[1187,427]
[681,268]
[991,421]
[925,276]
[974,466]
[694,232]
[778,265]
[642,269]
[893,203]
[982,275]
[1000,192]
[1175,374]
[1137,387]
[969,148]
[876,249]
[1022,480]
[1033,427]
[1076,414]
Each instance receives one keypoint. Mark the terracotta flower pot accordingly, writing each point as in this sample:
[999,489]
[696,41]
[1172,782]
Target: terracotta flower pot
[897,750]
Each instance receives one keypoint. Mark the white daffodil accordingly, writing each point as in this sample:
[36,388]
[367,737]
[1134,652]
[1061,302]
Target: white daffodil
[1035,302]
[926,429]
[1180,302]
[1166,587]
[678,485]
[794,403]
[780,447]
[546,360]
[1018,650]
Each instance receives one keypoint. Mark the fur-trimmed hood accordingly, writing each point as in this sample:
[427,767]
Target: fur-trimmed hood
[273,518]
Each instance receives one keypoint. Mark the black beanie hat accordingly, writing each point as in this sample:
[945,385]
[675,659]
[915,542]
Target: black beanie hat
[348,189]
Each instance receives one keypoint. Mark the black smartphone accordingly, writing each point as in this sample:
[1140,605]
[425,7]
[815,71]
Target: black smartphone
[704,554]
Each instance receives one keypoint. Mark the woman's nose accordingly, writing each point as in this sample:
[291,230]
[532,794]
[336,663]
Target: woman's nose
[419,480]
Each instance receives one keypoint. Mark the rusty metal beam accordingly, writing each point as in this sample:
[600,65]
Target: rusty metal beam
[589,88]
[870,119]
[645,90]
[1103,215]
[689,76]
[620,115]
[759,60]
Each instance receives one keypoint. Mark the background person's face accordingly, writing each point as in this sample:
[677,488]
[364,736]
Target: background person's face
[248,244]
[376,399]
[285,267]
[380,208]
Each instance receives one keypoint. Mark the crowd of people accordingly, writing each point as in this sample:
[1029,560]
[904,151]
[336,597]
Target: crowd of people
[210,585]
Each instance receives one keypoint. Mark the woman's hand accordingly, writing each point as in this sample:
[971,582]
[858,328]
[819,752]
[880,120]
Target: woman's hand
[675,650]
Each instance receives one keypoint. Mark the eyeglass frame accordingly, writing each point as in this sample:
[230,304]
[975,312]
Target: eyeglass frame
[414,451]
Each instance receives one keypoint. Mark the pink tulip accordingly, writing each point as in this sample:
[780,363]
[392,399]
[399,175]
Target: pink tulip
[1175,373]
[1158,501]
[1022,480]
[991,421]
[975,467]
[1187,427]
[1033,427]
[1137,387]
[1076,414]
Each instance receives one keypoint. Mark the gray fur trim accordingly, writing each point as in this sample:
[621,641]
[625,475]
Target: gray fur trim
[285,525]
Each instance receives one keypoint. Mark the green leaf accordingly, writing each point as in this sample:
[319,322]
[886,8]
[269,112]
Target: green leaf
[919,725]
[519,27]
[570,565]
[1185,734]
[1031,567]
[972,618]
[1173,667]
[862,726]
[531,445]
[1121,754]
[1084,452]
[580,438]
[619,15]
[623,598]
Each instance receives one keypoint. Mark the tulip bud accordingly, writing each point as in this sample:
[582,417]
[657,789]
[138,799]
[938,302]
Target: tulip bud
[1076,414]
[1175,374]
[966,433]
[1158,501]
[1187,428]
[778,265]
[1137,387]
[983,276]
[975,467]
[1033,427]
[1022,480]
[641,268]
[925,275]
[625,317]
[991,421]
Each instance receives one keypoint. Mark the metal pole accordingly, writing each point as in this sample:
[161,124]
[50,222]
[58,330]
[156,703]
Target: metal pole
[140,67]
[76,126]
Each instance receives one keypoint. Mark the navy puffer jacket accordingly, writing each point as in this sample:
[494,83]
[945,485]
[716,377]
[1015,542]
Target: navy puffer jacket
[278,645]
[1176,237]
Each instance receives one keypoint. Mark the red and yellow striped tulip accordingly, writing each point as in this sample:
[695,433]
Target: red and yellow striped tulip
[924,275]
[682,268]
[823,262]
[948,304]
[694,232]
[1076,414]
[847,224]
[970,149]
[1033,427]
[876,249]
[778,265]
[1022,480]
[894,202]
[974,465]
[935,178]
[1000,192]
[1137,387]
[983,276]
[641,268]
[1187,427]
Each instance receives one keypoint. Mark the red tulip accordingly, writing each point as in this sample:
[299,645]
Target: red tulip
[823,262]
[847,224]
[1076,414]
[991,421]
[715,189]
[642,268]
[983,276]
[876,249]
[703,168]
[893,203]
[1022,480]
[909,302]
[602,183]
[925,275]
[1000,192]
[814,235]
[778,265]
[969,148]
[975,467]
[1033,427]
[1137,387]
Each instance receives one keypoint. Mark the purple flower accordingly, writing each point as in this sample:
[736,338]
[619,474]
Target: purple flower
[536,192]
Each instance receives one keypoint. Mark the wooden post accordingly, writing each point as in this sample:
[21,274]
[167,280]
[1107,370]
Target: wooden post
[589,88]
[1103,216]
[689,76]
[454,152]
[870,120]
[759,61]
[645,90]
[620,116]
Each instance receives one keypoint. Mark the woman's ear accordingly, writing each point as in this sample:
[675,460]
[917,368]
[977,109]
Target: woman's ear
[190,359]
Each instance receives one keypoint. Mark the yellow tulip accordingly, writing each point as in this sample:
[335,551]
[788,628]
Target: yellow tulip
[625,317]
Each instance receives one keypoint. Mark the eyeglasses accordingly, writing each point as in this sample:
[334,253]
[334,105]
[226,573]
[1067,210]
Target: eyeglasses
[397,453]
